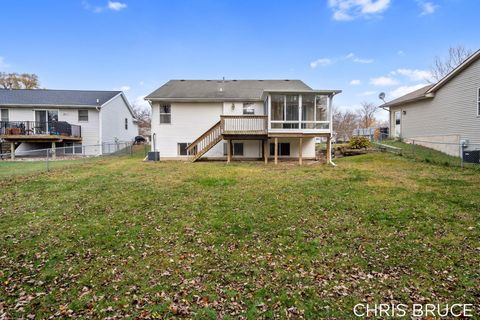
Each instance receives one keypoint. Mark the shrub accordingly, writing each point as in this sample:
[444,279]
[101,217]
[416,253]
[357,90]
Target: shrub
[359,143]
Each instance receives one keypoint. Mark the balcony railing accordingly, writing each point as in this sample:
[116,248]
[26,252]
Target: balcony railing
[29,128]
[244,124]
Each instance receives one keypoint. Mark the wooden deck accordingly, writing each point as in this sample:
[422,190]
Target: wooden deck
[38,138]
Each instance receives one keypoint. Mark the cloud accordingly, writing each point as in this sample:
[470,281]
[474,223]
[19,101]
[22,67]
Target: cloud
[427,7]
[141,102]
[346,10]
[322,62]
[355,82]
[116,6]
[383,81]
[415,75]
[111,5]
[3,64]
[359,60]
[403,90]
[400,53]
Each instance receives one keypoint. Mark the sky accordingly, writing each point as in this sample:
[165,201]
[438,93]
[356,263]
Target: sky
[362,47]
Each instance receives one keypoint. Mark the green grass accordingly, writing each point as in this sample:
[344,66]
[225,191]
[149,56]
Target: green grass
[12,168]
[122,238]
[424,154]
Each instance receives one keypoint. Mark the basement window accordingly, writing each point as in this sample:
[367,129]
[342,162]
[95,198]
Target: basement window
[165,113]
[182,149]
[283,149]
[237,148]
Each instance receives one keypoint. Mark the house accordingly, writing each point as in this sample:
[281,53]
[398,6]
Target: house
[243,119]
[444,115]
[85,122]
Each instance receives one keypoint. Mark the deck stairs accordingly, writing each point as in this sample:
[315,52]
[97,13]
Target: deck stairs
[206,141]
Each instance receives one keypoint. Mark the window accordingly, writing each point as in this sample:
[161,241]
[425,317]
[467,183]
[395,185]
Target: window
[283,149]
[248,108]
[126,124]
[237,149]
[73,148]
[165,113]
[397,117]
[82,115]
[4,115]
[182,149]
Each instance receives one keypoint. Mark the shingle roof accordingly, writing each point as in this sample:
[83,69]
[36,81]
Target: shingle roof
[55,97]
[410,97]
[224,89]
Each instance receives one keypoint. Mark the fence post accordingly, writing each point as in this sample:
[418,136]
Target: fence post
[83,154]
[461,154]
[413,148]
[48,153]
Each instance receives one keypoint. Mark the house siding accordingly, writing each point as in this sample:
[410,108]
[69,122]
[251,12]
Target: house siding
[113,115]
[448,117]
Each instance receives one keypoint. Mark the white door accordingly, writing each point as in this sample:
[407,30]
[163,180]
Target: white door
[398,120]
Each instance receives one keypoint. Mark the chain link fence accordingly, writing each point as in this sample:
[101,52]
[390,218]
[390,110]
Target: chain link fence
[25,161]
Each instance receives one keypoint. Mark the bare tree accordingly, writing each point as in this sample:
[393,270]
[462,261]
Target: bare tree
[144,118]
[344,123]
[19,81]
[442,66]
[366,115]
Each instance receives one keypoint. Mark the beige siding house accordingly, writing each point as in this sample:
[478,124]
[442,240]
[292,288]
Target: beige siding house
[444,115]
[240,119]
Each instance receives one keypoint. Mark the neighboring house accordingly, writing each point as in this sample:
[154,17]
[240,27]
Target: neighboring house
[246,119]
[84,121]
[442,115]
[371,133]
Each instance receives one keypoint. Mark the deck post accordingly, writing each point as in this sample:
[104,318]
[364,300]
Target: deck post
[12,150]
[265,150]
[54,150]
[300,150]
[329,149]
[229,150]
[276,150]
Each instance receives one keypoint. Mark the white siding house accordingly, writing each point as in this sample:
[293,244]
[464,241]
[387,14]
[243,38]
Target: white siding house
[243,119]
[37,119]
[444,115]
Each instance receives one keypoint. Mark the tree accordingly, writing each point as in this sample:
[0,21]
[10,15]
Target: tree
[366,115]
[344,123]
[19,81]
[144,118]
[442,66]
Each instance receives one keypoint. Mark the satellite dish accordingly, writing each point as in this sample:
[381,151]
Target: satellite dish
[381,96]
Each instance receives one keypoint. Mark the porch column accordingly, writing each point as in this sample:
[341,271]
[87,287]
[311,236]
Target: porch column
[276,150]
[54,150]
[265,150]
[12,150]
[300,150]
[229,151]
[329,149]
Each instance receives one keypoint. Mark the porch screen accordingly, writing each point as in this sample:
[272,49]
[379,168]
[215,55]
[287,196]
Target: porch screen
[278,109]
[308,111]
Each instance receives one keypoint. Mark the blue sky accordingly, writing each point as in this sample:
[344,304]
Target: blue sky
[360,46]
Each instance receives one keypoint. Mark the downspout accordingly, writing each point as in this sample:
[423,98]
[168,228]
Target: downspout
[100,133]
[330,98]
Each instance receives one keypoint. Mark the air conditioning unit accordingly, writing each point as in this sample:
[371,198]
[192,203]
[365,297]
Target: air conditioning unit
[472,156]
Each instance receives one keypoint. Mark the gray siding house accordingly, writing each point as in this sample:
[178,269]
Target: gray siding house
[443,115]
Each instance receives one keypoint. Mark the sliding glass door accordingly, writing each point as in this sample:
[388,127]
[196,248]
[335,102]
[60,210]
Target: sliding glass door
[45,121]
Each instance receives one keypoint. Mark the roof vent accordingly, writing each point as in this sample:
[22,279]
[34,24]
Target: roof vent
[287,80]
[182,80]
[98,101]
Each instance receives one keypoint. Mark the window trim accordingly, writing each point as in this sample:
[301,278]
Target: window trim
[8,114]
[165,113]
[88,115]
[478,102]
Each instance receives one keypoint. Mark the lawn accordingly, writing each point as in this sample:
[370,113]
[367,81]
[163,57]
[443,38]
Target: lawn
[121,238]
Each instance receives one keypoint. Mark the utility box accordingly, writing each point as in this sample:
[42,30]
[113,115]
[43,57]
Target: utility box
[153,156]
[472,156]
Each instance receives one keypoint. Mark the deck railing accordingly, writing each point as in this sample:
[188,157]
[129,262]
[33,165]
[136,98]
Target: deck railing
[28,128]
[244,124]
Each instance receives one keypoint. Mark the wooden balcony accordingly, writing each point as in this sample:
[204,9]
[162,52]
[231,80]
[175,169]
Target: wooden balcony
[36,131]
[244,125]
